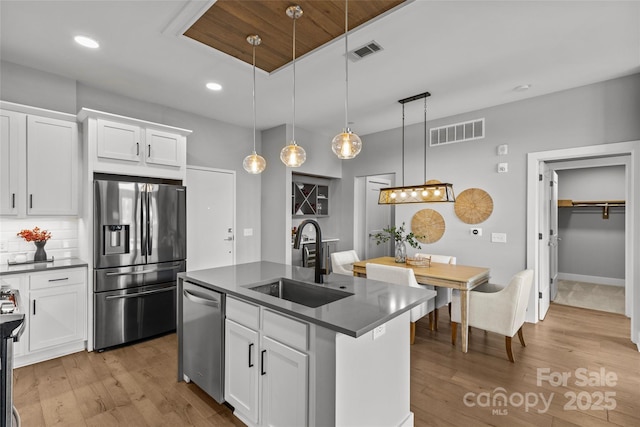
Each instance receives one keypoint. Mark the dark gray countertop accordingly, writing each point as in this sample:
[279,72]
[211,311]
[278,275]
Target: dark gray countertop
[41,266]
[372,303]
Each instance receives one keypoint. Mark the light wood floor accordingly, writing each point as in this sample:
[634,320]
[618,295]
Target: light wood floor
[136,385]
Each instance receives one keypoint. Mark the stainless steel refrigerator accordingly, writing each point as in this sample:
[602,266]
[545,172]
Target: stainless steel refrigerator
[139,248]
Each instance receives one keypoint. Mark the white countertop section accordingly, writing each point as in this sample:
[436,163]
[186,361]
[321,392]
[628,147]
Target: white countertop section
[41,266]
[373,303]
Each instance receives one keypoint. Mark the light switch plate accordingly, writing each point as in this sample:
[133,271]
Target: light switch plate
[503,167]
[499,237]
[503,150]
[248,232]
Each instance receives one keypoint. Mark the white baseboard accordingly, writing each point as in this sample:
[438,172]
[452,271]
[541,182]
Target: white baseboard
[610,281]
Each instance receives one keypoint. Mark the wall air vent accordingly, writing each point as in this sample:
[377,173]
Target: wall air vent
[365,50]
[457,132]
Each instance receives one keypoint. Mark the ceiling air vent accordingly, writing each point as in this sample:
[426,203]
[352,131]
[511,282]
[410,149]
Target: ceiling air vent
[457,132]
[365,50]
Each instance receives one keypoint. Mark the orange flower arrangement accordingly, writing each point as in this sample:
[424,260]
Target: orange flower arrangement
[35,235]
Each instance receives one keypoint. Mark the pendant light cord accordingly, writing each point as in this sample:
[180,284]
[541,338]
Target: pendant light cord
[293,126]
[346,65]
[403,145]
[425,140]
[254,98]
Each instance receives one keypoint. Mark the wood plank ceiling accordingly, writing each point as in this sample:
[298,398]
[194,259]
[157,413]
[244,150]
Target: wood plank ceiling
[226,25]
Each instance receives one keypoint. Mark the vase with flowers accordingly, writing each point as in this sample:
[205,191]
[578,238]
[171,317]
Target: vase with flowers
[401,238]
[39,238]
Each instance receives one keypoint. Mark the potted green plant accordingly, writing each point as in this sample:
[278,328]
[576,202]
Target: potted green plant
[401,238]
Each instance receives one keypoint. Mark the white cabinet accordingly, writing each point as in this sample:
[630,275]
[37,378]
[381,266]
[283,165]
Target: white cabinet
[118,141]
[40,161]
[52,166]
[11,128]
[129,146]
[162,148]
[266,366]
[285,385]
[55,304]
[241,369]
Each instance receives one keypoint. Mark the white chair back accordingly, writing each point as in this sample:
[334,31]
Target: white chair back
[442,259]
[341,262]
[391,274]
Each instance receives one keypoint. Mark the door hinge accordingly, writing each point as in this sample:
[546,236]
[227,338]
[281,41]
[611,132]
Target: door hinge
[539,177]
[539,236]
[540,295]
[550,183]
[551,280]
[551,232]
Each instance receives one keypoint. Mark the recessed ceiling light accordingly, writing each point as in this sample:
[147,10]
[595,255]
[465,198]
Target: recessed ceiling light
[86,42]
[522,88]
[214,86]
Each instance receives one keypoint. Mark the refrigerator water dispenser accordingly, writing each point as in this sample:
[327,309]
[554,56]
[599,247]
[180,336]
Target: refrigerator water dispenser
[116,239]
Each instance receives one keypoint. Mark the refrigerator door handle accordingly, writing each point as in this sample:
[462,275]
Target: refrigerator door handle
[143,220]
[135,273]
[149,223]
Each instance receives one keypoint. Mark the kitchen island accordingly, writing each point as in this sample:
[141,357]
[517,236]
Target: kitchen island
[345,362]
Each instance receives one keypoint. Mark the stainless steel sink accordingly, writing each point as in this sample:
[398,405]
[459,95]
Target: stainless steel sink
[300,292]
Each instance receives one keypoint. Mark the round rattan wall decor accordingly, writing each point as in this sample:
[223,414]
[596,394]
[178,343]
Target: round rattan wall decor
[427,225]
[473,206]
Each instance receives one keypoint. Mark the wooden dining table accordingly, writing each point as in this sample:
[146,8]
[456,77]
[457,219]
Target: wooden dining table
[454,276]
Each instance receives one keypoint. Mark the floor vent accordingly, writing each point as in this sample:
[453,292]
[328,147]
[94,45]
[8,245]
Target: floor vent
[457,132]
[365,50]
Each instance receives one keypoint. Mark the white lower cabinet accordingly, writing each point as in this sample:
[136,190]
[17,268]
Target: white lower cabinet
[57,316]
[241,369]
[266,366]
[285,385]
[55,304]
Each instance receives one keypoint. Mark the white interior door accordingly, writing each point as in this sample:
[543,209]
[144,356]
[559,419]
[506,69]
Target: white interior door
[545,242]
[377,216]
[210,218]
[553,237]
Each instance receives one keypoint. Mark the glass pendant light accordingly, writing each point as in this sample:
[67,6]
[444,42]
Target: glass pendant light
[254,163]
[293,155]
[346,145]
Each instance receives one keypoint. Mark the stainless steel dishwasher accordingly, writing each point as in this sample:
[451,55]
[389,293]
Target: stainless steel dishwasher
[203,338]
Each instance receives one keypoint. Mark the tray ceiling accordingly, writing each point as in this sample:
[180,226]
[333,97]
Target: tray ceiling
[226,25]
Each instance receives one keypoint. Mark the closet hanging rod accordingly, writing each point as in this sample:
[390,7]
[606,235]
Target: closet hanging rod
[604,204]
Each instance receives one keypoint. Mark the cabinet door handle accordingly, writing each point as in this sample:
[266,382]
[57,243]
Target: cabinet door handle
[262,371]
[149,150]
[250,352]
[59,280]
[137,148]
[13,200]
[34,307]
[30,201]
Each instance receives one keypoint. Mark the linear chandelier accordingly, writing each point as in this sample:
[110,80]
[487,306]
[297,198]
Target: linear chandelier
[431,191]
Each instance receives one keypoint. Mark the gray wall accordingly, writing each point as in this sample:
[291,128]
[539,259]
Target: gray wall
[585,235]
[276,187]
[212,144]
[595,114]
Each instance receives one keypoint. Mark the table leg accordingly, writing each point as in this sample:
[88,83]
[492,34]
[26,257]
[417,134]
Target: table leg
[464,319]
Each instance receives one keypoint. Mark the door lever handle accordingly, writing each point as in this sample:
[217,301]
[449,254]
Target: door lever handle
[228,239]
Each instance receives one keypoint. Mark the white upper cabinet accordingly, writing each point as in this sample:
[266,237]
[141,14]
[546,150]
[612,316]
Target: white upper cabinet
[11,128]
[118,141]
[128,146]
[52,166]
[39,161]
[162,148]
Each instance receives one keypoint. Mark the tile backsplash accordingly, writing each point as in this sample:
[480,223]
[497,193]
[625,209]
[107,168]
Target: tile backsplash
[63,242]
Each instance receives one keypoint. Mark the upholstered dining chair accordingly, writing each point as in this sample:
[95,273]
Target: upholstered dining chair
[443,296]
[497,309]
[400,276]
[341,262]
